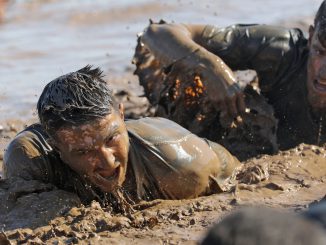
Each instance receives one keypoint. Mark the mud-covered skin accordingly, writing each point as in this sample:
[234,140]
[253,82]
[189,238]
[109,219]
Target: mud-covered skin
[173,165]
[180,45]
[316,80]
[278,55]
[98,151]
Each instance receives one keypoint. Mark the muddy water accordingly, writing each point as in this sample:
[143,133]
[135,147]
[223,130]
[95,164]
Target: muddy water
[42,39]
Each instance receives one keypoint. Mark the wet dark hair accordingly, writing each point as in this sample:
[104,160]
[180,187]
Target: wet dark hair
[321,14]
[74,99]
[320,22]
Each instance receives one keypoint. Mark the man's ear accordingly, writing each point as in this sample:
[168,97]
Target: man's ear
[311,33]
[121,111]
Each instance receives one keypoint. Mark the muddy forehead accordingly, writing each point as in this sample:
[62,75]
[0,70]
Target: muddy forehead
[86,133]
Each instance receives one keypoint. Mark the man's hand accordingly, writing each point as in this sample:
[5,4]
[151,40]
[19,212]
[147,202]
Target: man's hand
[182,46]
[231,102]
[220,82]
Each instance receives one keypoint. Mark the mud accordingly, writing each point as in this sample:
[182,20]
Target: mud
[290,180]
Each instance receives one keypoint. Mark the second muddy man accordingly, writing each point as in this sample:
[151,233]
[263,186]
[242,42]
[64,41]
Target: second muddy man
[291,70]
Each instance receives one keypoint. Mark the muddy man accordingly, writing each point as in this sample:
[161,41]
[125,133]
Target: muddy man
[83,145]
[291,70]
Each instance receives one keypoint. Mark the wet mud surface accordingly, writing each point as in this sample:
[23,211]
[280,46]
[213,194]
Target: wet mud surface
[40,213]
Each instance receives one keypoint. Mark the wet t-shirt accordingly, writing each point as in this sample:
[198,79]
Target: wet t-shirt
[165,161]
[279,56]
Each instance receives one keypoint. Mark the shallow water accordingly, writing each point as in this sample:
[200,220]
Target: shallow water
[40,40]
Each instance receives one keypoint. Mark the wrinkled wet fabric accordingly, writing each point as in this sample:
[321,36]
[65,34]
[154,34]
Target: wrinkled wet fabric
[278,55]
[166,161]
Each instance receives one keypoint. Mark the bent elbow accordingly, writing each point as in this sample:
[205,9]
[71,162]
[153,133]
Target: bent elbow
[155,32]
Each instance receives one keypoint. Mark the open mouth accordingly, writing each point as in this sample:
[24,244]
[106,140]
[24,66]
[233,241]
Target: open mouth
[112,177]
[320,86]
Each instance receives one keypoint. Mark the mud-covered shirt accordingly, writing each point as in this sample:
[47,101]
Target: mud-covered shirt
[279,56]
[165,161]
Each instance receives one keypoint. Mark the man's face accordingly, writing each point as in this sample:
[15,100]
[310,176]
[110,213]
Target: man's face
[98,151]
[316,82]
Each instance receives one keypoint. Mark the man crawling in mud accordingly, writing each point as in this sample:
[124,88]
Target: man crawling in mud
[83,145]
[291,71]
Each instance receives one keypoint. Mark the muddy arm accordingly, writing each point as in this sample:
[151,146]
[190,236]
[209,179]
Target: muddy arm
[171,42]
[271,51]
[182,44]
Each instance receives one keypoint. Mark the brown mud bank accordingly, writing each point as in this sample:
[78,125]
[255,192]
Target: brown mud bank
[40,213]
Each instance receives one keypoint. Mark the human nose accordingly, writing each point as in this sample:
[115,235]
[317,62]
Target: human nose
[107,158]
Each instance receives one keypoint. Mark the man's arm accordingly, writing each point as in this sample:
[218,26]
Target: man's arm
[171,43]
[271,51]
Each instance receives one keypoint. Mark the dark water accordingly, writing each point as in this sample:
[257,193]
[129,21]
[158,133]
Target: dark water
[42,39]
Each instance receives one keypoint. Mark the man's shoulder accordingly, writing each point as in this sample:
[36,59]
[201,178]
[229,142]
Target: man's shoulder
[31,138]
[156,129]
[29,133]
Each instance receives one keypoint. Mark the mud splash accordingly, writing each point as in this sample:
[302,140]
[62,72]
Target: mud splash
[289,180]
